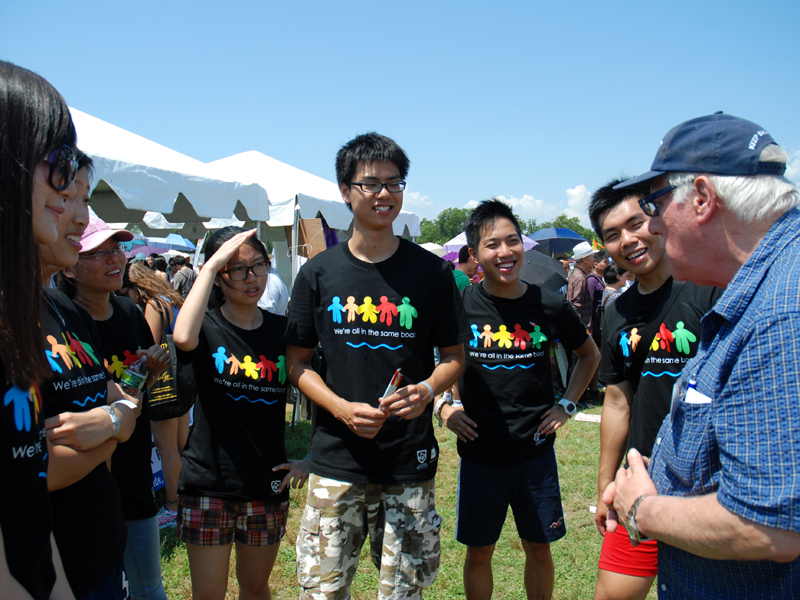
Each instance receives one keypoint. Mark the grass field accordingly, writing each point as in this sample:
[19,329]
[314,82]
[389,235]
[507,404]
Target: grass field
[575,556]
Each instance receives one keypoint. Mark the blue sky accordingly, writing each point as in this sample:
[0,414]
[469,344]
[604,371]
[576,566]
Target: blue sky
[539,103]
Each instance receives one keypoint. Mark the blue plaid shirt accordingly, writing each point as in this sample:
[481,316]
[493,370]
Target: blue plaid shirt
[745,443]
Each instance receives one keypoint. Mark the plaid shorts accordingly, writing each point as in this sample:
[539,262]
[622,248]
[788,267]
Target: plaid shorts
[215,522]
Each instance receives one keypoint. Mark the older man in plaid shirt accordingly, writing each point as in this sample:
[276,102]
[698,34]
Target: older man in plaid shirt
[724,498]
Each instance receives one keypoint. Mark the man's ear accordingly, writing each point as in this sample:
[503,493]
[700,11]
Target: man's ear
[705,200]
[473,256]
[344,189]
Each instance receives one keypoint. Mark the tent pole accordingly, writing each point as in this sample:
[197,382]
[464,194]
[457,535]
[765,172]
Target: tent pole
[295,260]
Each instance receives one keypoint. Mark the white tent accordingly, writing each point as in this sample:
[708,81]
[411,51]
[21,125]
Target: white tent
[133,175]
[294,194]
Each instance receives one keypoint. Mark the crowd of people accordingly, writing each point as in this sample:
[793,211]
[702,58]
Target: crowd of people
[698,481]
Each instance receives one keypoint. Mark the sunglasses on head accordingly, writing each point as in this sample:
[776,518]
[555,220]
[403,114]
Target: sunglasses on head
[63,167]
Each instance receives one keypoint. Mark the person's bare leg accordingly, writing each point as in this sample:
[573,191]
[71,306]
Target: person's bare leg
[539,571]
[253,569]
[478,579]
[165,435]
[616,586]
[209,568]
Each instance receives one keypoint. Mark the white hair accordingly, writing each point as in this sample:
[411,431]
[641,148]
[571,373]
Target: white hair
[751,198]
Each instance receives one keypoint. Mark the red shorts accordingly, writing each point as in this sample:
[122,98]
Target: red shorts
[618,556]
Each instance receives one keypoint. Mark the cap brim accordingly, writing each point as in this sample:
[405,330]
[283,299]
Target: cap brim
[93,240]
[640,180]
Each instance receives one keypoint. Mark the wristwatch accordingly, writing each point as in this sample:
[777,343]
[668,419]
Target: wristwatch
[568,406]
[633,530]
[114,419]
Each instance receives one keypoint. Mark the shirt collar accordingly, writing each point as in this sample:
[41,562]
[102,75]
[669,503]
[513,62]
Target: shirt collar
[745,283]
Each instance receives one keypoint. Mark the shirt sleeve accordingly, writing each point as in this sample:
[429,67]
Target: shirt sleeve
[451,326]
[758,431]
[301,330]
[571,331]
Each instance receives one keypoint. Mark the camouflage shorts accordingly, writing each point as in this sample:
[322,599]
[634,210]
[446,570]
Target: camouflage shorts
[403,528]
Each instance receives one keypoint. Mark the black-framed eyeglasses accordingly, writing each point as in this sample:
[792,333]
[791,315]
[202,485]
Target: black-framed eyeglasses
[374,187]
[102,255]
[259,269]
[649,204]
[63,167]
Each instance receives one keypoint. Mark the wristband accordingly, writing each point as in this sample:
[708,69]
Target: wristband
[114,419]
[128,403]
[430,389]
[438,408]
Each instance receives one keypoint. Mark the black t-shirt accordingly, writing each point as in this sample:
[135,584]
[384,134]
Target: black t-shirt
[25,514]
[238,431]
[121,336]
[87,515]
[506,386]
[372,319]
[674,342]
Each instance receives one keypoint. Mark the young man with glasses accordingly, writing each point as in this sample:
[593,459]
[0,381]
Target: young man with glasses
[649,333]
[722,495]
[377,304]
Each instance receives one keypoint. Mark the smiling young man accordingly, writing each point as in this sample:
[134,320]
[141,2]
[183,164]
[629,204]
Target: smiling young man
[649,333]
[506,428]
[377,304]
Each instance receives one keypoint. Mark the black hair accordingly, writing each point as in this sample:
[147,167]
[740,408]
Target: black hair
[217,298]
[178,260]
[600,255]
[463,254]
[153,255]
[613,273]
[160,264]
[488,212]
[85,162]
[368,148]
[606,198]
[34,120]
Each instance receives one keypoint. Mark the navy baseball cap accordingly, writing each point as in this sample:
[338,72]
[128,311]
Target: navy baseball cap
[719,144]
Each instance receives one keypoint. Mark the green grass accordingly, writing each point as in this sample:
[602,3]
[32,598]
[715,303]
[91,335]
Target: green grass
[575,556]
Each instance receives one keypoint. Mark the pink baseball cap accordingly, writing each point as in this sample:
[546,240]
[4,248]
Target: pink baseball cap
[97,232]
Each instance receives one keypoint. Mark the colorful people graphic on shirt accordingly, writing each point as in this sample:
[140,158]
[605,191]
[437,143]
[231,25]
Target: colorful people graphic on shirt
[88,349]
[475,336]
[487,336]
[234,363]
[76,348]
[251,369]
[666,337]
[623,342]
[116,368]
[336,309]
[21,399]
[635,337]
[352,308]
[61,351]
[537,337]
[51,358]
[130,357]
[521,337]
[387,309]
[407,313]
[368,310]
[502,337]
[281,364]
[267,368]
[220,358]
[683,337]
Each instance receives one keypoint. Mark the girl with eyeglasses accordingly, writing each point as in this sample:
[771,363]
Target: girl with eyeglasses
[37,141]
[161,304]
[88,414]
[234,478]
[123,336]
